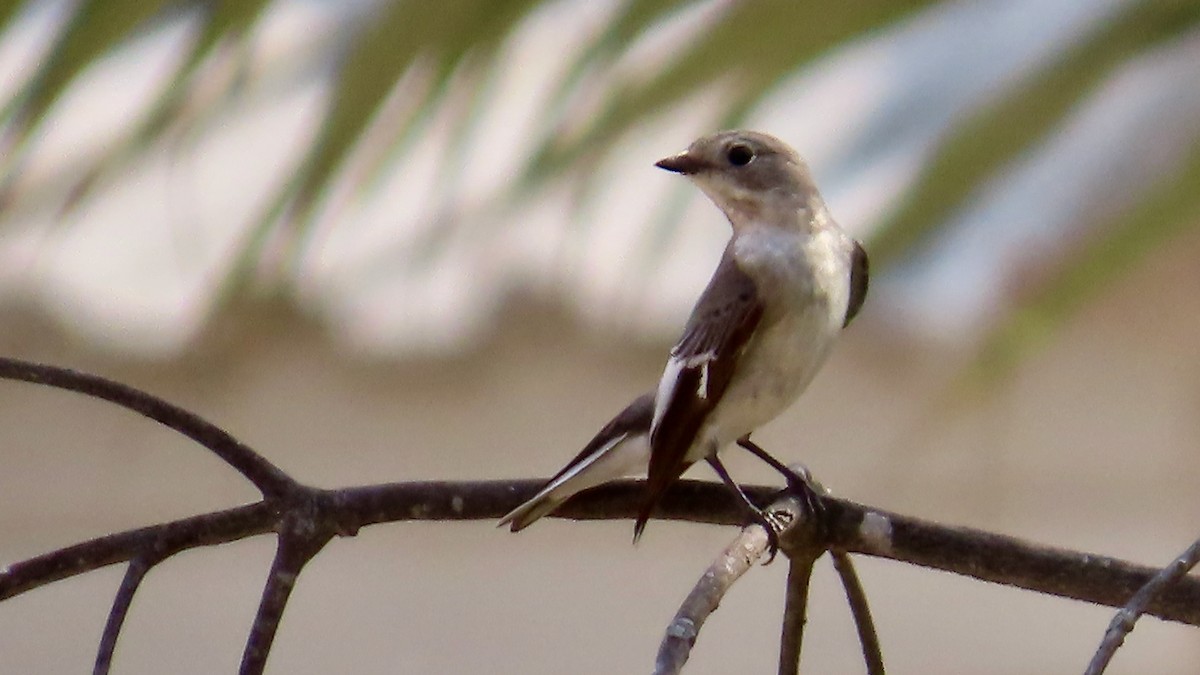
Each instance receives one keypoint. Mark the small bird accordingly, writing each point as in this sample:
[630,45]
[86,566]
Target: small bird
[789,280]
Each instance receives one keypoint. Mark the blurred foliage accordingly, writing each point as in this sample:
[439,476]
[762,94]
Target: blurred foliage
[1169,210]
[753,47]
[95,28]
[391,42]
[990,139]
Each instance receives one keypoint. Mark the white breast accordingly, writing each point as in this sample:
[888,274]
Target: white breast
[803,280]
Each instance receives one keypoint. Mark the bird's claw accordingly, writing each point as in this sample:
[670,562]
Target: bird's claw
[800,482]
[811,494]
[773,525]
[813,499]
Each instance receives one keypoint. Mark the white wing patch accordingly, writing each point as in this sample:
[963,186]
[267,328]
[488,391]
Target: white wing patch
[583,466]
[670,382]
[666,390]
[623,455]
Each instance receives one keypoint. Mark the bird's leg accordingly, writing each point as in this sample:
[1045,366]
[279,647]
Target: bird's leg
[770,523]
[799,483]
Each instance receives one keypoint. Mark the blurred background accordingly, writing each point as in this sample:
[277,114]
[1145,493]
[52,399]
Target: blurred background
[399,240]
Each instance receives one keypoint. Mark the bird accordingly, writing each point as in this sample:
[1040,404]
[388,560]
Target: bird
[789,280]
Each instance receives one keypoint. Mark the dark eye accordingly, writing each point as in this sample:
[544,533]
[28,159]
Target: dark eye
[740,155]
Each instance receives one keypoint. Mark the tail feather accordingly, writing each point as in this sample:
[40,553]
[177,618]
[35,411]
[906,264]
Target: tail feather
[639,526]
[620,449]
[524,515]
[621,456]
[656,487]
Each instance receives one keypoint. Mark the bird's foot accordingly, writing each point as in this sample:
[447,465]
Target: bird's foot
[811,494]
[770,522]
[800,482]
[773,525]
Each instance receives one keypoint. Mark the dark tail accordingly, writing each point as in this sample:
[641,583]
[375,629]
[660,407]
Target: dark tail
[643,517]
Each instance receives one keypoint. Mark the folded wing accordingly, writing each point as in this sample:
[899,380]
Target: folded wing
[697,375]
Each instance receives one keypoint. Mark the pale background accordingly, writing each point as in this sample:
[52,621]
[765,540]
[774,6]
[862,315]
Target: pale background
[504,369]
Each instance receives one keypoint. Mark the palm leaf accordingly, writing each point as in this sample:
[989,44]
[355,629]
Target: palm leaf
[1126,241]
[95,28]
[999,133]
[755,45]
[8,11]
[744,50]
[379,56]
[224,23]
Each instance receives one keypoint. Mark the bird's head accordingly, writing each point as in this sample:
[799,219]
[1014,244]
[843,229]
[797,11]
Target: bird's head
[749,175]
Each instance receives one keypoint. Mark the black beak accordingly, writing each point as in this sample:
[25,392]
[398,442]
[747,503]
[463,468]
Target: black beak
[682,163]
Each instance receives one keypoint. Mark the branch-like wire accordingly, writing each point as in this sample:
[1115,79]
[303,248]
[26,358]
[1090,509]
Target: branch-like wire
[210,529]
[729,566]
[1005,560]
[268,478]
[314,516]
[1122,624]
[797,540]
[803,541]
[304,517]
[134,573]
[854,528]
[795,612]
[298,543]
[860,610]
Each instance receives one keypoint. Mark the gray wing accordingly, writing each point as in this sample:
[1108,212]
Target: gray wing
[859,278]
[634,420]
[697,374]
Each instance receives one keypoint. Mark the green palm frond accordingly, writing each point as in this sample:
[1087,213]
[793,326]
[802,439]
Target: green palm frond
[756,44]
[1168,211]
[8,10]
[397,66]
[96,27]
[987,141]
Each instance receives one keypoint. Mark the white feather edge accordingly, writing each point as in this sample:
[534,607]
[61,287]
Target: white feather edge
[624,455]
[670,380]
[666,390]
